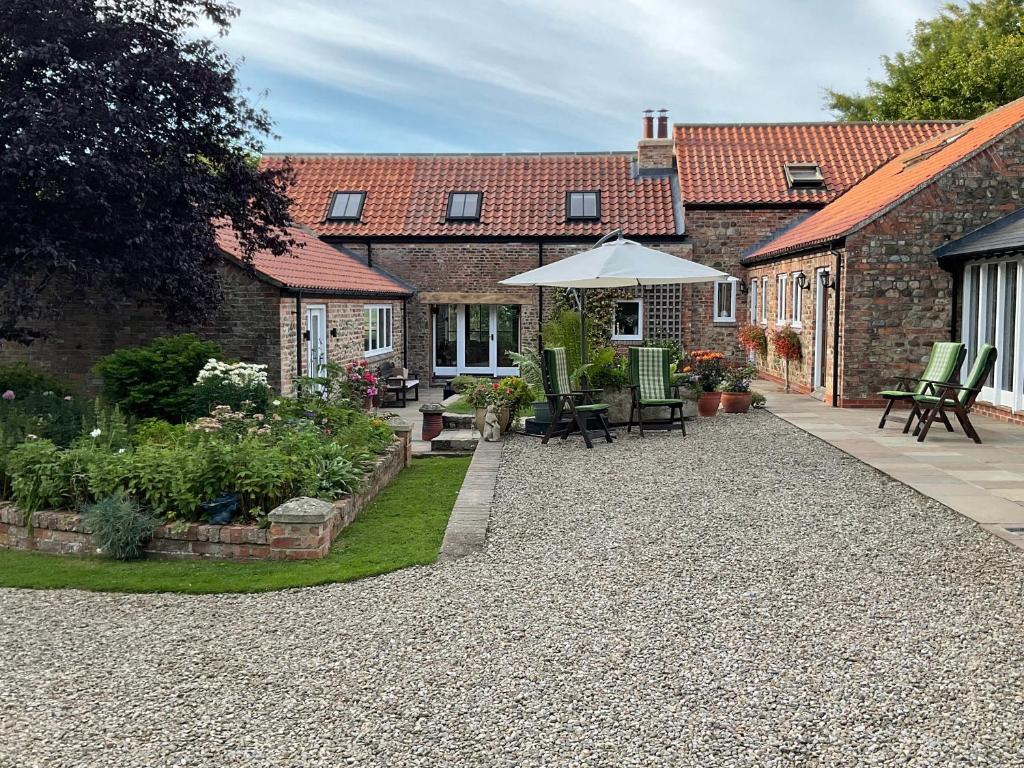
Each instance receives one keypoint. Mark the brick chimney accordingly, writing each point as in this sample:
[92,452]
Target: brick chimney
[655,154]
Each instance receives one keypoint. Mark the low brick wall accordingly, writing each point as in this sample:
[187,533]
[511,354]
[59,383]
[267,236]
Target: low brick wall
[63,533]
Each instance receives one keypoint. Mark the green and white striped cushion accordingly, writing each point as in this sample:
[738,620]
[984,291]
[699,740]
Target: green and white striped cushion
[650,372]
[558,371]
[941,363]
[979,371]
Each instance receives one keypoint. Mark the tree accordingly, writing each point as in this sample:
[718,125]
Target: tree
[124,140]
[964,62]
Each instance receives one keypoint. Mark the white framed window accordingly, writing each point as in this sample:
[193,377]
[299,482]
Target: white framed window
[377,337]
[780,299]
[725,301]
[764,300]
[798,301]
[752,297]
[628,320]
[993,313]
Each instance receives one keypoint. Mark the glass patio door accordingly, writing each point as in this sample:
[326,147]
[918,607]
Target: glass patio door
[992,314]
[476,339]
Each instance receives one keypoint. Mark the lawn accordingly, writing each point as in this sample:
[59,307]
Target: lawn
[459,406]
[403,526]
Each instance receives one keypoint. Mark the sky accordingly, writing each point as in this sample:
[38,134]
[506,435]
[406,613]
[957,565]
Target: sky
[548,75]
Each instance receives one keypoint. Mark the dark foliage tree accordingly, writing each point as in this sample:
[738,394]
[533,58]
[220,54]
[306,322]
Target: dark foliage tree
[124,138]
[966,61]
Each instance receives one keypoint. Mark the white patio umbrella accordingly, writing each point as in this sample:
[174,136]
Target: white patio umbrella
[616,263]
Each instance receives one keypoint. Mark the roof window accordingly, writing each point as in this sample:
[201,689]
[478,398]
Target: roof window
[346,206]
[804,176]
[583,205]
[464,206]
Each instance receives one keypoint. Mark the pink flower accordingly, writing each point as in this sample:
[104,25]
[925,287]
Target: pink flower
[371,391]
[8,395]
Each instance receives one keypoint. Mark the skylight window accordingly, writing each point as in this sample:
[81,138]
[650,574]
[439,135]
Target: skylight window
[346,206]
[926,153]
[464,206]
[583,205]
[804,176]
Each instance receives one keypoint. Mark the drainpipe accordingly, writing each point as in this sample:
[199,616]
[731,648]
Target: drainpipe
[540,297]
[298,333]
[838,272]
[956,275]
[405,332]
[369,254]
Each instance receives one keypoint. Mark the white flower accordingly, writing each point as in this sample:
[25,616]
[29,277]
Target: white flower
[31,437]
[277,402]
[120,450]
[96,432]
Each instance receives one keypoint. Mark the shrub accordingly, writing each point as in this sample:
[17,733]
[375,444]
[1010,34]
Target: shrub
[757,400]
[156,380]
[231,384]
[675,352]
[738,378]
[119,528]
[463,383]
[21,378]
[608,370]
[37,475]
[708,368]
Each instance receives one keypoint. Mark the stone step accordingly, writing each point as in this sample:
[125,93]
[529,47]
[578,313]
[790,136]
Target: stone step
[457,420]
[455,440]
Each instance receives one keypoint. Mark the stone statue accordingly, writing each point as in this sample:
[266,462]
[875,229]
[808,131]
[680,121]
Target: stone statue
[492,429]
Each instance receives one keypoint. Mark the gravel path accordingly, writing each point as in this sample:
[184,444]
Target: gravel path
[746,596]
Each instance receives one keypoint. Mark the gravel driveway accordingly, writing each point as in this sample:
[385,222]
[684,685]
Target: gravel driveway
[744,596]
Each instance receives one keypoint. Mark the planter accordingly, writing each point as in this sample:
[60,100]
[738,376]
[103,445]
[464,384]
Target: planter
[708,403]
[433,420]
[505,418]
[541,412]
[736,402]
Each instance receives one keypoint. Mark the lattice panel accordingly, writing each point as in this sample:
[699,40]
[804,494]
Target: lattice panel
[663,310]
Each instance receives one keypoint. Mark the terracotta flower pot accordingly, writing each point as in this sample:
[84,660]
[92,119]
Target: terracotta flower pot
[707,405]
[736,402]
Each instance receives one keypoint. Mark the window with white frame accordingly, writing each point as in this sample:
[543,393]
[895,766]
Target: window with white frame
[725,301]
[753,301]
[993,313]
[798,300]
[628,320]
[377,334]
[780,299]
[764,300]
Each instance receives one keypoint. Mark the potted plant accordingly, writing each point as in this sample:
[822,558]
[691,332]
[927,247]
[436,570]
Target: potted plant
[708,368]
[753,338]
[363,383]
[511,395]
[736,397]
[786,344]
[479,397]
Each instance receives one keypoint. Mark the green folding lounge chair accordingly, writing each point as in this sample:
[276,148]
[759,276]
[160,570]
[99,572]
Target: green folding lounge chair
[932,404]
[650,384]
[943,363]
[570,408]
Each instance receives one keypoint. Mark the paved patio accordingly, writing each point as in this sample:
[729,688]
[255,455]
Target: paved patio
[982,482]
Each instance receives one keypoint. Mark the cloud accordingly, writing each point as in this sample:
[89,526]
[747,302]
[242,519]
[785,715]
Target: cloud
[550,74]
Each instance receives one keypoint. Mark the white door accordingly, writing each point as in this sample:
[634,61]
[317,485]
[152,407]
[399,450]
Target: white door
[820,323]
[475,339]
[316,350]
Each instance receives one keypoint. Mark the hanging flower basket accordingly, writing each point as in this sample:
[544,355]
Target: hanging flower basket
[753,338]
[786,344]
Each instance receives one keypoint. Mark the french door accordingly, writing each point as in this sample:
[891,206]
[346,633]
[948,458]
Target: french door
[475,339]
[316,327]
[820,331]
[993,313]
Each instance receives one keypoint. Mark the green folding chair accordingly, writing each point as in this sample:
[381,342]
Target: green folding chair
[932,404]
[650,384]
[944,361]
[570,408]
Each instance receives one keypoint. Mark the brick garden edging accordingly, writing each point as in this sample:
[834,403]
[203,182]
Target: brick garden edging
[289,537]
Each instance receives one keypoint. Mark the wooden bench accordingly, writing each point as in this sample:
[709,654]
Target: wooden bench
[398,383]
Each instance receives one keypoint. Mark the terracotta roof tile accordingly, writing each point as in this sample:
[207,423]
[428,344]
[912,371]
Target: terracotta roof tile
[316,266]
[894,181]
[743,163]
[523,195]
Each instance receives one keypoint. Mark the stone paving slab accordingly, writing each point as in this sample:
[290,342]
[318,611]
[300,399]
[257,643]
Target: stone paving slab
[467,526]
[982,482]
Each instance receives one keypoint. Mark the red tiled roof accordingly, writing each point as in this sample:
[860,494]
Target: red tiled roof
[523,195]
[315,266]
[743,164]
[894,182]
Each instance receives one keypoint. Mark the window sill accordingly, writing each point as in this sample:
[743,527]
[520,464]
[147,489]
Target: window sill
[378,352]
[723,321]
[627,338]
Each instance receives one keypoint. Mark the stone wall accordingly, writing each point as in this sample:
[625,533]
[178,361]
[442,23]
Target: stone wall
[346,318]
[244,324]
[60,532]
[897,300]
[719,236]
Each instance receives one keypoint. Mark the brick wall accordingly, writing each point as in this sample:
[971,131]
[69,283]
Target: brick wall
[898,302]
[244,324]
[346,317]
[718,237]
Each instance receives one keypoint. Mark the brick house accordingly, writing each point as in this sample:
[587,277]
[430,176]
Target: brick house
[876,254]
[453,226]
[345,309]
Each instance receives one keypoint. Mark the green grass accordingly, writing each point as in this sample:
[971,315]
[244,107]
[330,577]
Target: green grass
[459,406]
[403,526]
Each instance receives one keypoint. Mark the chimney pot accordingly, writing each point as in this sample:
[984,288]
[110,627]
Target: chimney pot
[648,124]
[662,123]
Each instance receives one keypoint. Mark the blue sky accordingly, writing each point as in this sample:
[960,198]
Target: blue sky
[548,75]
